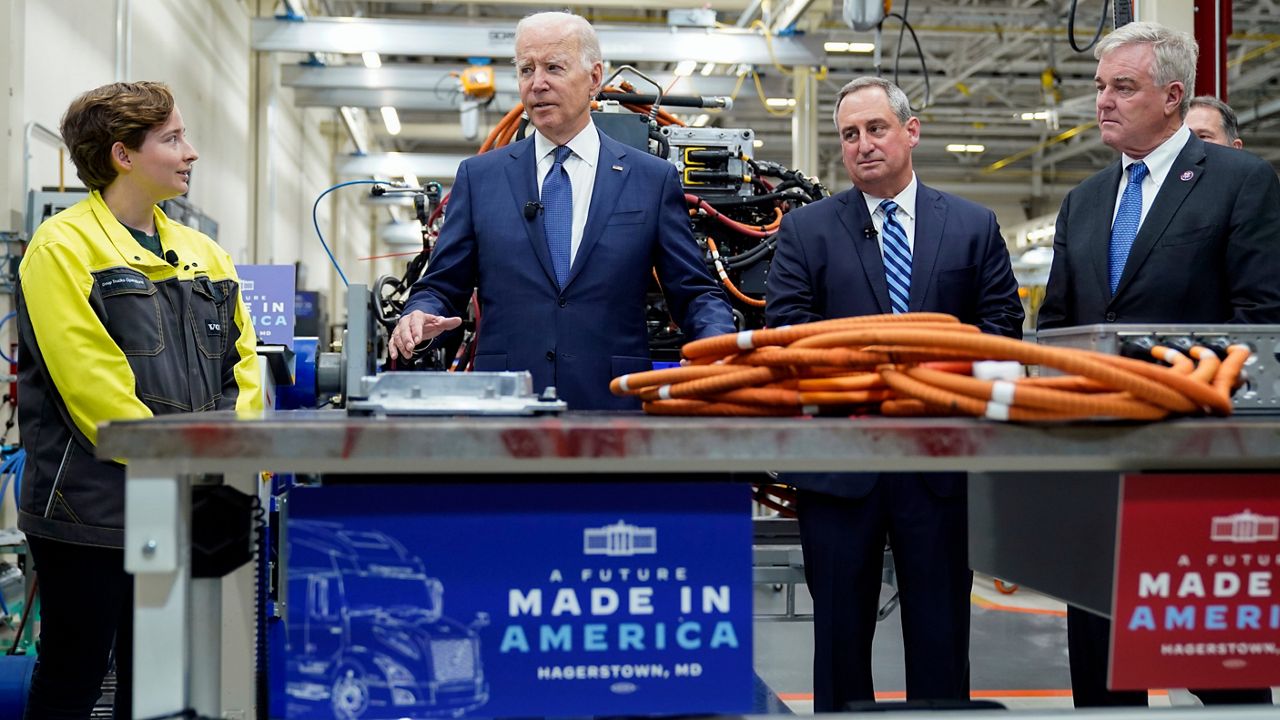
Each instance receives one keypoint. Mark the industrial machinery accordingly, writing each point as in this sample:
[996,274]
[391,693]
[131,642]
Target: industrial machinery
[735,204]
[1258,394]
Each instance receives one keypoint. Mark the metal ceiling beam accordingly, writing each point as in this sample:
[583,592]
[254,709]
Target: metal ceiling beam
[723,5]
[439,79]
[497,40]
[402,100]
[426,166]
[1261,111]
[403,77]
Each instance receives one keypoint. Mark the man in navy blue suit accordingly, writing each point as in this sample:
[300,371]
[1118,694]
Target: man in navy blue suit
[558,233]
[1200,247]
[889,244]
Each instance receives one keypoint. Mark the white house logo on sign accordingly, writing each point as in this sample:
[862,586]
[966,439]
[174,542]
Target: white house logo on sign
[1245,527]
[620,540]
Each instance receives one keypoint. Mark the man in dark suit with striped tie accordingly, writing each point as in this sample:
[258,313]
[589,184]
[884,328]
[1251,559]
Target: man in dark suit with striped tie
[889,244]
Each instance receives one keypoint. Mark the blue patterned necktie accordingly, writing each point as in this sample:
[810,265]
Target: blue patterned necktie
[557,214]
[897,259]
[1125,228]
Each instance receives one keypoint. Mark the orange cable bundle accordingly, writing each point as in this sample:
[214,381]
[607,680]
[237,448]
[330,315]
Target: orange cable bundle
[923,364]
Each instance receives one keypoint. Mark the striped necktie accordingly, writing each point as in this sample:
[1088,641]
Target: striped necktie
[1125,228]
[897,258]
[557,214]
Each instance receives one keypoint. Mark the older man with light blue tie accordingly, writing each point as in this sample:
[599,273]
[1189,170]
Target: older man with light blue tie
[1191,236]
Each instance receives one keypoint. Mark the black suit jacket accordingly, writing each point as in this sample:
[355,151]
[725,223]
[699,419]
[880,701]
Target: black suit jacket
[828,264]
[1207,252]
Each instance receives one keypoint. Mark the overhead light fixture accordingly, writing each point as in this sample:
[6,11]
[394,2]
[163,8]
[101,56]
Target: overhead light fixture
[391,119]
[708,69]
[1042,115]
[775,102]
[372,60]
[685,68]
[701,120]
[849,47]
[960,148]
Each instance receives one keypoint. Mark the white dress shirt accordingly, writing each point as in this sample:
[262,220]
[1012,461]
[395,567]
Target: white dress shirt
[581,166]
[1159,162]
[906,213]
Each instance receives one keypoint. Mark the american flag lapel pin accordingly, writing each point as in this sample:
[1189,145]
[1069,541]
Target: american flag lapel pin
[618,168]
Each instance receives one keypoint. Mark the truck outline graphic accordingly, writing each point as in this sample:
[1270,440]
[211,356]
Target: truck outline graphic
[366,634]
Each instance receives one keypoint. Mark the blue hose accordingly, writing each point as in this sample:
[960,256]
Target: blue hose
[315,220]
[15,683]
[4,320]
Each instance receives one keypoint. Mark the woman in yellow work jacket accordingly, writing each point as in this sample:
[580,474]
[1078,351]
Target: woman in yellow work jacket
[123,314]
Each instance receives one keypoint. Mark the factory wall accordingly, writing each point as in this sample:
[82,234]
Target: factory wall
[259,192]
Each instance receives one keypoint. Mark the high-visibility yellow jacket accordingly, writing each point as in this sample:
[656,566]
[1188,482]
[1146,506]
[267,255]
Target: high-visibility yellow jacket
[109,331]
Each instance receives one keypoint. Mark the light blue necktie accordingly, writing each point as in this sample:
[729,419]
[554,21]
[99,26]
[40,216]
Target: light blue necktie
[897,259]
[1125,228]
[557,214]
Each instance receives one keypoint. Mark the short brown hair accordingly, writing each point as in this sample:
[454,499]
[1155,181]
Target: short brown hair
[98,119]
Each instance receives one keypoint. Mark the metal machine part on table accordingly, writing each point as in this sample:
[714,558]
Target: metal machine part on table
[439,393]
[710,160]
[1260,393]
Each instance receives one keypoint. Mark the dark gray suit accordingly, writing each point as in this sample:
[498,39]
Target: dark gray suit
[1207,252]
[828,265]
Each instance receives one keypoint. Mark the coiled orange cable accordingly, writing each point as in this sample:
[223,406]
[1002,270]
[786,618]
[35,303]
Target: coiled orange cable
[923,363]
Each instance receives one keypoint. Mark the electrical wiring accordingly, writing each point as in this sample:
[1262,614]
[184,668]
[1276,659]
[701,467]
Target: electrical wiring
[729,194]
[923,363]
[315,220]
[897,53]
[1071,26]
[768,43]
[760,231]
[724,277]
[755,77]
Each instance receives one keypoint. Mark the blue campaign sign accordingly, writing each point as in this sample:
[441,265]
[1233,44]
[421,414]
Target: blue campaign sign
[504,600]
[268,294]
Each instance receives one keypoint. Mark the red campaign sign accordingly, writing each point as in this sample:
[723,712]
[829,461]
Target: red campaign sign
[1197,586]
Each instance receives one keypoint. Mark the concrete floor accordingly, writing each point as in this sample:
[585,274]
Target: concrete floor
[1018,651]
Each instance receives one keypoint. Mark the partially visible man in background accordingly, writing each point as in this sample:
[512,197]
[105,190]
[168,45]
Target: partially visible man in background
[1213,121]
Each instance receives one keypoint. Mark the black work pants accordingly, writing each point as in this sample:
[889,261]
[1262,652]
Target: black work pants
[843,542]
[86,608]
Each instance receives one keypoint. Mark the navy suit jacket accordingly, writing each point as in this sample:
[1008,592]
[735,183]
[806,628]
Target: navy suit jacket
[828,264]
[1207,252]
[582,336]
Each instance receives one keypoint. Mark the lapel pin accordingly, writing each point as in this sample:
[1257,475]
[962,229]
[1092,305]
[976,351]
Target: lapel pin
[618,168]
[1186,175]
